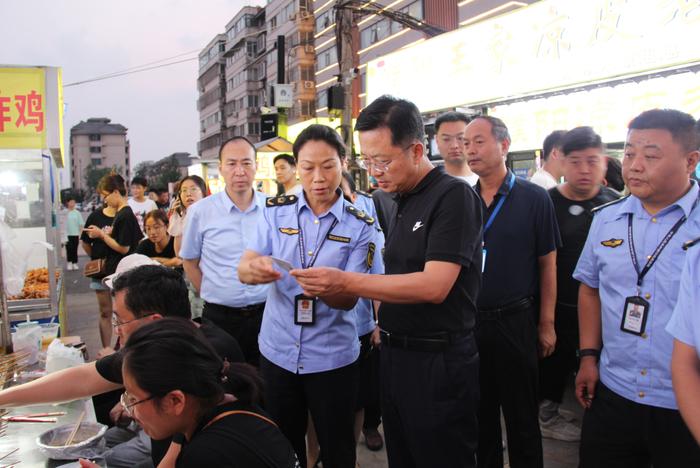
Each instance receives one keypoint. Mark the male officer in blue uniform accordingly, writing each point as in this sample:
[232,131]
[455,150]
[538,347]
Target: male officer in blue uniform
[629,272]
[685,328]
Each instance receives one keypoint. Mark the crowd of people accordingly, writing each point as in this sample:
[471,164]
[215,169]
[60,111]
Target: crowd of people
[449,299]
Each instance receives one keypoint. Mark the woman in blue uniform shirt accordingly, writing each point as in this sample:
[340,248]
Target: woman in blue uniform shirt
[309,345]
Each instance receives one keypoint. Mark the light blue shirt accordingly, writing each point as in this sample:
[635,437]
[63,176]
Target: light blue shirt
[216,233]
[685,321]
[364,311]
[637,367]
[332,341]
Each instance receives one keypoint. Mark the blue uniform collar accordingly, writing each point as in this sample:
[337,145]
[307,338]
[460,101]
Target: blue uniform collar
[258,200]
[633,205]
[336,210]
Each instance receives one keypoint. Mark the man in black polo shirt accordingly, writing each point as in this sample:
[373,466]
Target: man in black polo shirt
[519,285]
[583,164]
[429,360]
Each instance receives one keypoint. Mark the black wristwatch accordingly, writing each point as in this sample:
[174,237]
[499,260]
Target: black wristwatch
[589,352]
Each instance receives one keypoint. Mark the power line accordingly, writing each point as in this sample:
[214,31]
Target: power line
[117,74]
[149,63]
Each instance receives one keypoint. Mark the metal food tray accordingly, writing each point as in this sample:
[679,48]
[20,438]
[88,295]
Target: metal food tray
[18,305]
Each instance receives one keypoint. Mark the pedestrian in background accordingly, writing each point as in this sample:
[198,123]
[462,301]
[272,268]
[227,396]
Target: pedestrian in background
[74,226]
[139,203]
[97,249]
[159,245]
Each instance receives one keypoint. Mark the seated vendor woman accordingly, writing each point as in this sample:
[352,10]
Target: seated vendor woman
[159,245]
[209,406]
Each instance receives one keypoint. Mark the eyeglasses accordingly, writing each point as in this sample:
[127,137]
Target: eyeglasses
[116,323]
[127,402]
[192,190]
[368,163]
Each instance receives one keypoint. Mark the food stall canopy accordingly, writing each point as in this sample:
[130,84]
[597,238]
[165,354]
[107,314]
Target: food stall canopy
[274,145]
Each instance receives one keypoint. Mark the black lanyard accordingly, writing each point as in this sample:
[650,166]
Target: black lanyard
[302,249]
[654,256]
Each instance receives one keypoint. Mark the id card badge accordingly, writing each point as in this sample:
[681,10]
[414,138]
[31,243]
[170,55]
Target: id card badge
[634,316]
[304,310]
[483,260]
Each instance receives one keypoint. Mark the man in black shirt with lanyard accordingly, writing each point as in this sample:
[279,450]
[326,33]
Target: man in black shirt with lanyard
[429,373]
[519,273]
[583,164]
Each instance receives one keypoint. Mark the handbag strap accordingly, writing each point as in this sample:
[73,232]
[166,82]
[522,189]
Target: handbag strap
[229,413]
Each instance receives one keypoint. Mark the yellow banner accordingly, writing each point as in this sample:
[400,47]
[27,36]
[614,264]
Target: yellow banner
[22,108]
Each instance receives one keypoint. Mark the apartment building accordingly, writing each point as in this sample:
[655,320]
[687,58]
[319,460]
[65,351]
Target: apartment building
[99,143]
[211,86]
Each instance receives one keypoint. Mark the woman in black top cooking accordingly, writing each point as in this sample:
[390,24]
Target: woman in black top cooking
[177,386]
[125,234]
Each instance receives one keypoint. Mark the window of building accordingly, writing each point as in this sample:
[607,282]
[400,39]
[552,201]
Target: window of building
[324,20]
[96,161]
[273,22]
[306,72]
[307,107]
[304,5]
[95,149]
[241,129]
[253,100]
[251,48]
[95,137]
[326,58]
[253,128]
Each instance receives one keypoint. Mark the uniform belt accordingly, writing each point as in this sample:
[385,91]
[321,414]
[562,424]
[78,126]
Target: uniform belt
[505,310]
[435,343]
[245,311]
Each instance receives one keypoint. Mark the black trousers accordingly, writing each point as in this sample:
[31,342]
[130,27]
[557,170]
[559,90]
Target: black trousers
[508,378]
[329,396]
[620,433]
[557,369]
[429,405]
[72,249]
[369,384]
[241,323]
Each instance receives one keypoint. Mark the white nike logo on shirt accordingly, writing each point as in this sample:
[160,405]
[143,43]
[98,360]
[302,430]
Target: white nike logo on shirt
[418,225]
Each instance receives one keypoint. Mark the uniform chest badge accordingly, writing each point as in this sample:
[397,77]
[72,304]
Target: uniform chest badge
[611,243]
[289,231]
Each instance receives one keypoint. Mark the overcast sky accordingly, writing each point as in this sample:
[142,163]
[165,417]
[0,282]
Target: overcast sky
[88,38]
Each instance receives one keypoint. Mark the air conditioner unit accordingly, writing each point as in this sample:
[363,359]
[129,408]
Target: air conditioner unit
[309,49]
[309,85]
[303,14]
[292,17]
[293,52]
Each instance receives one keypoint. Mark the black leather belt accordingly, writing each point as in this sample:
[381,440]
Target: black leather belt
[505,310]
[433,343]
[245,311]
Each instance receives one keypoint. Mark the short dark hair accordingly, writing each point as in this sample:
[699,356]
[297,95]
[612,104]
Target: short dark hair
[138,180]
[173,354]
[613,176]
[499,130]
[452,116]
[683,127]
[238,138]
[154,289]
[580,138]
[158,215]
[112,182]
[68,198]
[197,180]
[159,190]
[318,132]
[553,140]
[400,116]
[351,182]
[285,157]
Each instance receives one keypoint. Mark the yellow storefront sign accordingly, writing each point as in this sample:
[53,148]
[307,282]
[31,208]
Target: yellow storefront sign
[22,108]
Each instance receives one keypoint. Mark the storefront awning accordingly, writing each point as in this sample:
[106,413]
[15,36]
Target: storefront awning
[274,145]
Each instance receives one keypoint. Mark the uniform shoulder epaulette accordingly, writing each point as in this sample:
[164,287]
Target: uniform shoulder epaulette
[364,194]
[605,205]
[281,201]
[359,214]
[690,243]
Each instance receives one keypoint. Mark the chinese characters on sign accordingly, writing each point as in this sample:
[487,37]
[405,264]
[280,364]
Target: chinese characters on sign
[30,111]
[22,108]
